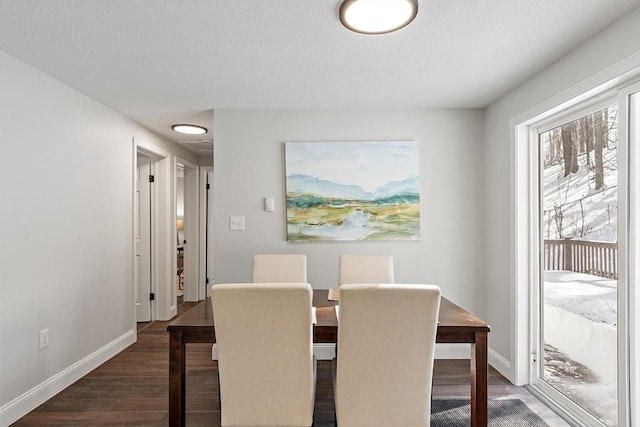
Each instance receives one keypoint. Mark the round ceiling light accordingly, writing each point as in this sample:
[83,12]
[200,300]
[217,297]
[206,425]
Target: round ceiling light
[377,16]
[189,129]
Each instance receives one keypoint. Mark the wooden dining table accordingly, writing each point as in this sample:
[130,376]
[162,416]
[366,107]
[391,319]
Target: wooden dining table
[455,325]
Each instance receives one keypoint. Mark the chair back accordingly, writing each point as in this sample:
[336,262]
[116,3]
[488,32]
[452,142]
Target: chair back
[385,351]
[264,337]
[279,268]
[365,269]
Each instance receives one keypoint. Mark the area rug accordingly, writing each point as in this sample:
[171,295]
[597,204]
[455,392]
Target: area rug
[502,413]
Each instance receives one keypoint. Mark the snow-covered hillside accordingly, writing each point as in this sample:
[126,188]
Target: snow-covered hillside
[573,202]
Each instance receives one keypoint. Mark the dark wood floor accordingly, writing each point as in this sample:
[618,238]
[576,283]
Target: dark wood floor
[131,389]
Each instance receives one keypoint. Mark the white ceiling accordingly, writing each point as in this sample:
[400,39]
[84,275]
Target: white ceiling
[164,62]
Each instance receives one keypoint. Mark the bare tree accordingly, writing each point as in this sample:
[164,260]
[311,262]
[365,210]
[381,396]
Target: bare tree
[586,135]
[569,150]
[600,134]
[557,218]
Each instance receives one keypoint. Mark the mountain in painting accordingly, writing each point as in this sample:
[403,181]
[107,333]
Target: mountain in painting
[409,186]
[304,184]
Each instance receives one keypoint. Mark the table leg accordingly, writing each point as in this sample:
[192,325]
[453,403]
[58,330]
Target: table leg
[176,380]
[479,380]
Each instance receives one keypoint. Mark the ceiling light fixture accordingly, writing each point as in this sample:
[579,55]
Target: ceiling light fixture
[377,16]
[189,129]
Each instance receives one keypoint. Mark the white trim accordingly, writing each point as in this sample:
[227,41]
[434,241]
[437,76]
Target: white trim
[28,401]
[206,226]
[634,257]
[165,270]
[500,364]
[520,255]
[134,226]
[623,257]
[562,411]
[453,351]
[599,102]
[323,351]
[629,256]
[607,79]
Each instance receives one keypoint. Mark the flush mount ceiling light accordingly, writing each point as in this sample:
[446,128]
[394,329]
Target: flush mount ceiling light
[189,129]
[377,16]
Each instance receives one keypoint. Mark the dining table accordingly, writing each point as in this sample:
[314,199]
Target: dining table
[455,325]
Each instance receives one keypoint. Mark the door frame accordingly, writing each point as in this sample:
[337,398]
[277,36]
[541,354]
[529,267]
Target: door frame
[524,244]
[571,410]
[206,234]
[628,164]
[163,231]
[191,227]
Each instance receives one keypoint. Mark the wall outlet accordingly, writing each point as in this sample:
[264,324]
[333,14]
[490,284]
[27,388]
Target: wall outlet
[44,338]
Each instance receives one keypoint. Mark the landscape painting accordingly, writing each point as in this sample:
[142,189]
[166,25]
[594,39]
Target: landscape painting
[364,190]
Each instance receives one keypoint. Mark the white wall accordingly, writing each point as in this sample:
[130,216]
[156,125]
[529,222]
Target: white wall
[249,158]
[617,42]
[66,170]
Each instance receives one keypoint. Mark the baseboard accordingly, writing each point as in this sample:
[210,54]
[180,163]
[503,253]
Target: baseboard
[500,364]
[443,351]
[453,351]
[27,402]
[324,351]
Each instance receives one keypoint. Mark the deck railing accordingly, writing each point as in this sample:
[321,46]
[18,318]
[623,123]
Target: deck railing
[582,256]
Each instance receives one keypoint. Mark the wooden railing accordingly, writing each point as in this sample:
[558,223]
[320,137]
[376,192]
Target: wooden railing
[582,256]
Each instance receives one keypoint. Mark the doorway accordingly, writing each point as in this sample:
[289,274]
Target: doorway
[180,239]
[160,295]
[187,229]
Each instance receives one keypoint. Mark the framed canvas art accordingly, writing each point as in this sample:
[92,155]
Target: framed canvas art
[361,190]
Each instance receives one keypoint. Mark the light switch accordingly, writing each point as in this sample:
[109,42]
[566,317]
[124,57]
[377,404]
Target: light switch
[236,223]
[268,204]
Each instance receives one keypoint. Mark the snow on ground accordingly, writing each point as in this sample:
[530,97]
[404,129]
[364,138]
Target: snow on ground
[593,297]
[580,335]
[581,385]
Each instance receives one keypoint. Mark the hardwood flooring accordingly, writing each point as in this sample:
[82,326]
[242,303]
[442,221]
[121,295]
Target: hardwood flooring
[131,389]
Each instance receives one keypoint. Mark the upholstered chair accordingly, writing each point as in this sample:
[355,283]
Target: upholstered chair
[279,268]
[275,268]
[365,269]
[384,365]
[264,337]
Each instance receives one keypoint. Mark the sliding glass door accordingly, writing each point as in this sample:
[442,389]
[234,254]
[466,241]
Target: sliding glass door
[578,287]
[584,165]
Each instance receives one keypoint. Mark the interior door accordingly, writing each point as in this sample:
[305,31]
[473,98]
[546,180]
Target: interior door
[142,269]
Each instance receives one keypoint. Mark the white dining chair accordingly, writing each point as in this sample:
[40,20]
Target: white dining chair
[275,268]
[264,336]
[384,365]
[281,268]
[365,269]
